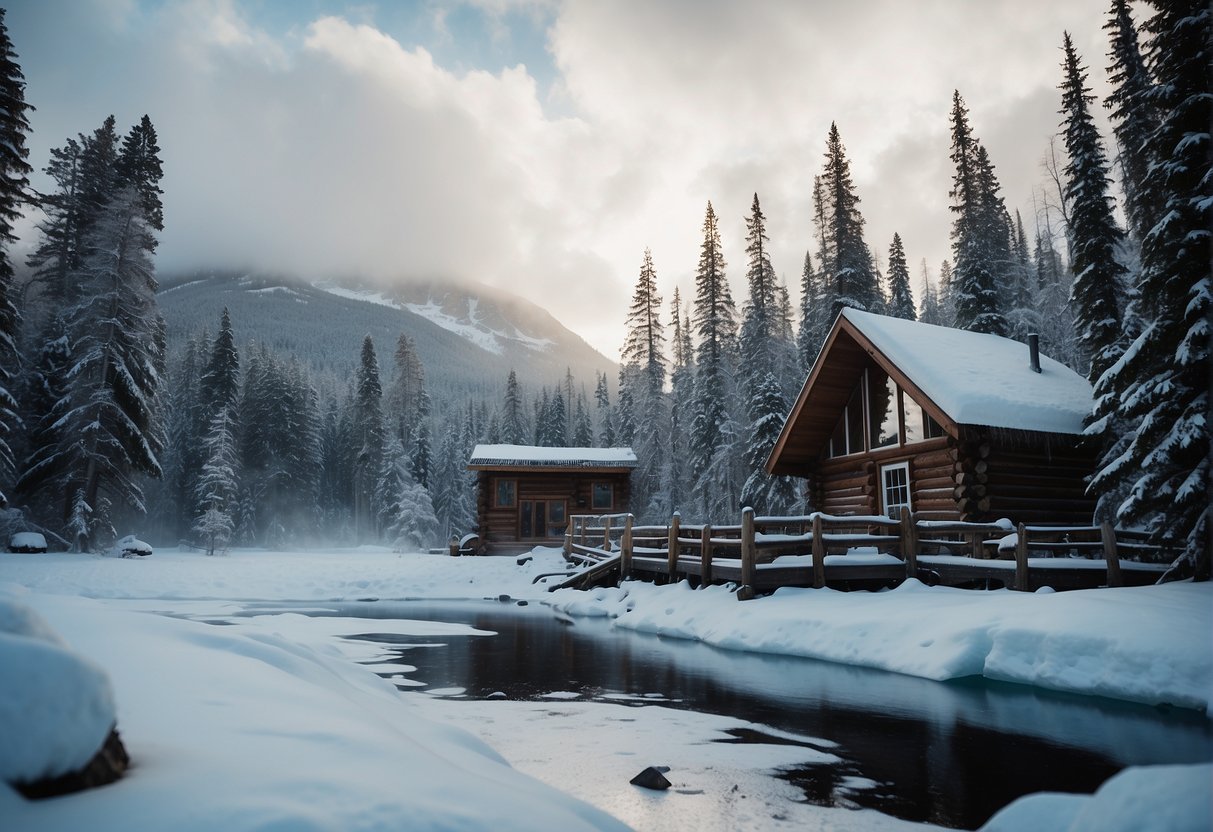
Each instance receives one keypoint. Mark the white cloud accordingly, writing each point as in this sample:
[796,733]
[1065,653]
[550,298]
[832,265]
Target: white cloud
[332,148]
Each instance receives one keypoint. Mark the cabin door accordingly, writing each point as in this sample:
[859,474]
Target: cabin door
[542,519]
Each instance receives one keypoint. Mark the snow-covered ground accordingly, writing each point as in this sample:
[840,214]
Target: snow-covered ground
[271,723]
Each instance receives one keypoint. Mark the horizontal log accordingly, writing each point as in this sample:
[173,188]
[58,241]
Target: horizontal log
[1038,495]
[935,503]
[934,471]
[934,495]
[1044,507]
[1038,480]
[927,483]
[863,481]
[931,459]
[970,505]
[842,493]
[1013,456]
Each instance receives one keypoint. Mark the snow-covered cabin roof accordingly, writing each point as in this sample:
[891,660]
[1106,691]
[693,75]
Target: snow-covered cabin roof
[532,456]
[980,379]
[961,378]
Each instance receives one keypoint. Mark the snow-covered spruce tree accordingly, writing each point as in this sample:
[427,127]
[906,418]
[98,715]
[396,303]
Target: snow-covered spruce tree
[762,492]
[602,406]
[974,288]
[367,434]
[901,298]
[1094,234]
[420,462]
[513,431]
[715,463]
[642,380]
[814,314]
[219,385]
[931,311]
[1134,116]
[217,486]
[403,507]
[1022,315]
[1162,380]
[583,431]
[138,166]
[675,479]
[336,484]
[853,276]
[14,192]
[947,298]
[452,498]
[112,428]
[183,443]
[408,384]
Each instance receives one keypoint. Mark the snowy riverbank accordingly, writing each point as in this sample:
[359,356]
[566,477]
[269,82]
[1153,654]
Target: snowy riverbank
[270,722]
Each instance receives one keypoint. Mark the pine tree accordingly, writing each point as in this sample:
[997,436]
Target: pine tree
[713,429]
[14,192]
[583,431]
[931,312]
[112,428]
[219,386]
[1134,115]
[1052,293]
[762,492]
[974,286]
[138,166]
[367,436]
[1022,315]
[947,297]
[762,341]
[512,430]
[408,386]
[901,299]
[1162,381]
[217,487]
[1094,235]
[642,382]
[853,277]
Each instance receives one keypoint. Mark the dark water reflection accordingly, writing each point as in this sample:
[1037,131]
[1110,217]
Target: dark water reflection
[948,753]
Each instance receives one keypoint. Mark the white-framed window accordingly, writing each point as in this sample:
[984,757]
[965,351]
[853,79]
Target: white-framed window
[895,489]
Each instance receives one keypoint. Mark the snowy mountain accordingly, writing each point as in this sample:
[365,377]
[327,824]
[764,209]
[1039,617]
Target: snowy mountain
[469,336]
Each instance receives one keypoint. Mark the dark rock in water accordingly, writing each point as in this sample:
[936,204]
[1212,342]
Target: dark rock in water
[523,561]
[107,765]
[522,603]
[652,778]
[505,599]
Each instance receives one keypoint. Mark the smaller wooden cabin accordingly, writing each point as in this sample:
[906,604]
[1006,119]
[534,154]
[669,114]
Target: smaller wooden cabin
[525,494]
[898,415]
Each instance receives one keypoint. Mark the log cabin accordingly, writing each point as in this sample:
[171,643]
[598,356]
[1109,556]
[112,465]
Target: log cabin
[525,494]
[899,416]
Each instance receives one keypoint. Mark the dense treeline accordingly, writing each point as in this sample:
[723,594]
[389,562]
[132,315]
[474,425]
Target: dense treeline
[242,445]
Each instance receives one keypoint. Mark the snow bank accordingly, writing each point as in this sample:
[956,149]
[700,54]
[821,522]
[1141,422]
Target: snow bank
[1157,798]
[56,708]
[251,731]
[1143,644]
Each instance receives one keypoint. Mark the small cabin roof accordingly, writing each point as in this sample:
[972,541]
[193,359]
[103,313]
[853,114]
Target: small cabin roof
[533,456]
[959,377]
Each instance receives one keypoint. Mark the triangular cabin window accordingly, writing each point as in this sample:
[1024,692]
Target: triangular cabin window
[880,414]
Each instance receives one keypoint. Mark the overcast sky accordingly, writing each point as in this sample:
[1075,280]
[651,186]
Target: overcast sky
[541,146]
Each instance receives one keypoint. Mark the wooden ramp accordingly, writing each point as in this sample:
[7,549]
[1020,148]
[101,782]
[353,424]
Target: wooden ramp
[603,573]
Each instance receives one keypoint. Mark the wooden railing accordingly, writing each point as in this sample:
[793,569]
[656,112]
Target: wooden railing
[701,548]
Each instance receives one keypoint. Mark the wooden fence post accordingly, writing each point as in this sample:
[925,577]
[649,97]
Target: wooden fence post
[819,554]
[625,549]
[909,543]
[606,534]
[979,551]
[1021,558]
[568,542]
[672,547]
[1108,535]
[705,554]
[749,554]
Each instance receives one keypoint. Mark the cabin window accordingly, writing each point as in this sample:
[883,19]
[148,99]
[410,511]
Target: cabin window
[603,496]
[895,488]
[919,424]
[882,410]
[505,494]
[848,435]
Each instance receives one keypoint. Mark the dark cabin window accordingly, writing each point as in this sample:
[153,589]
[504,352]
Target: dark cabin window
[933,428]
[506,494]
[914,417]
[838,441]
[603,496]
[882,410]
[855,421]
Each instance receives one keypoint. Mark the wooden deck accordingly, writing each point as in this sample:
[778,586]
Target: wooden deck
[762,554]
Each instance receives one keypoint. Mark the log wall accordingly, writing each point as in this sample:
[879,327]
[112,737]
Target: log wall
[501,525]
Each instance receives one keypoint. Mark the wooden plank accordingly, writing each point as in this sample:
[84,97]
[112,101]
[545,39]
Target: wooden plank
[625,550]
[748,552]
[673,545]
[819,554]
[1021,559]
[705,555]
[1110,555]
[909,543]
